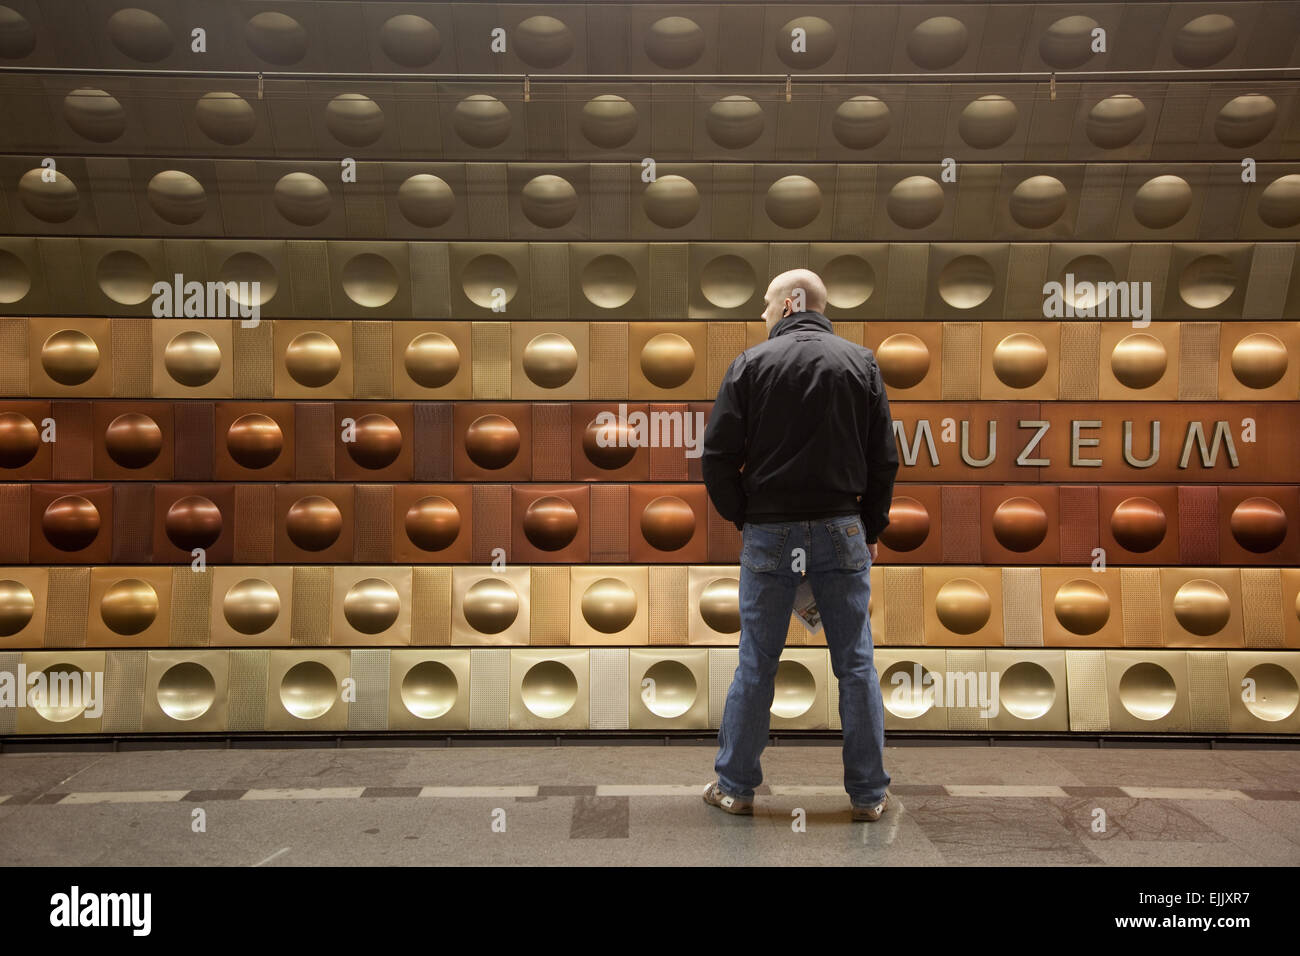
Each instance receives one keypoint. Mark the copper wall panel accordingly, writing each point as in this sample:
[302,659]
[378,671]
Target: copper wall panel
[313,359]
[432,452]
[493,537]
[432,523]
[974,420]
[133,522]
[1020,524]
[1198,525]
[75,449]
[23,455]
[1290,606]
[1020,360]
[189,517]
[315,430]
[313,523]
[69,357]
[667,523]
[591,458]
[492,442]
[133,441]
[550,523]
[195,440]
[1259,361]
[667,360]
[609,605]
[552,460]
[1139,523]
[255,523]
[917,526]
[1079,532]
[374,517]
[383,435]
[71,524]
[15,514]
[1137,364]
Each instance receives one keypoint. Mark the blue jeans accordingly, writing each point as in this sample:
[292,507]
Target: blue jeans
[836,558]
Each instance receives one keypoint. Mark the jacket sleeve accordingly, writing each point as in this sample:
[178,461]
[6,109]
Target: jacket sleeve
[882,458]
[724,446]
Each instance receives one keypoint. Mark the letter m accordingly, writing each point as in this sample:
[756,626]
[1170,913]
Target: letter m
[1211,454]
[922,431]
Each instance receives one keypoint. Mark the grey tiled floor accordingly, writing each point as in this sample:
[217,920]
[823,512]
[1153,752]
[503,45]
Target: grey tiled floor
[291,807]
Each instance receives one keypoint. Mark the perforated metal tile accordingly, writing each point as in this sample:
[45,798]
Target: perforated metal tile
[1198,361]
[1261,607]
[1080,361]
[723,662]
[253,361]
[372,363]
[1022,607]
[123,691]
[370,673]
[490,347]
[489,689]
[191,606]
[549,606]
[255,523]
[609,360]
[431,607]
[132,358]
[1140,591]
[552,459]
[1086,688]
[609,701]
[310,621]
[67,604]
[961,360]
[9,661]
[669,605]
[1208,689]
[904,607]
[248,689]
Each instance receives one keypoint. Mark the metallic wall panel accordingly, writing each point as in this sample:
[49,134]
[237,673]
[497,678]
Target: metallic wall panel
[908,681]
[71,524]
[609,689]
[668,689]
[550,689]
[1020,360]
[1139,524]
[433,523]
[429,689]
[1208,690]
[909,355]
[1140,364]
[23,602]
[193,359]
[1021,524]
[1022,610]
[549,617]
[552,459]
[963,606]
[1032,690]
[1259,361]
[1262,692]
[490,607]
[667,360]
[69,357]
[800,699]
[189,518]
[902,614]
[305,689]
[75,717]
[248,681]
[603,449]
[490,689]
[1144,617]
[669,609]
[667,522]
[968,705]
[608,605]
[714,604]
[370,676]
[723,662]
[491,442]
[1147,691]
[370,606]
[1086,676]
[1201,607]
[186,691]
[129,607]
[432,360]
[313,523]
[550,523]
[1082,608]
[25,455]
[313,359]
[124,679]
[381,438]
[431,606]
[919,525]
[191,601]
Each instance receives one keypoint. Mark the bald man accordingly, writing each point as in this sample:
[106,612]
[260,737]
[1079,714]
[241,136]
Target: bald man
[799,453]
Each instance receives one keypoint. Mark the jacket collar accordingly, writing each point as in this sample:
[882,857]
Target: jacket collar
[801,321]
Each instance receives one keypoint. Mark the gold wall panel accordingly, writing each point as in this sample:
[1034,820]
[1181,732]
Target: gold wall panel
[69,357]
[910,357]
[1147,691]
[313,359]
[1201,607]
[801,696]
[432,360]
[714,600]
[1033,692]
[251,606]
[550,360]
[1291,606]
[186,691]
[1139,364]
[305,688]
[193,358]
[1020,360]
[667,360]
[609,605]
[490,607]
[129,607]
[65,717]
[1082,607]
[428,689]
[1259,361]
[902,606]
[963,606]
[549,689]
[964,697]
[668,689]
[909,698]
[23,598]
[1263,692]
[371,606]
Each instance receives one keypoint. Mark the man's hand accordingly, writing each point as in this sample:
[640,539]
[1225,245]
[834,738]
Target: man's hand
[873,549]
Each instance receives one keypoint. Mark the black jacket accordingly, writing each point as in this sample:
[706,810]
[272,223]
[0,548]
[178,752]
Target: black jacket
[806,416]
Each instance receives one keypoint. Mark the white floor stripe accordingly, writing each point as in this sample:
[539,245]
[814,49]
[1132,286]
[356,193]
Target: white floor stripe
[4,797]
[800,790]
[289,793]
[478,791]
[272,856]
[124,796]
[650,790]
[1184,793]
[1002,790]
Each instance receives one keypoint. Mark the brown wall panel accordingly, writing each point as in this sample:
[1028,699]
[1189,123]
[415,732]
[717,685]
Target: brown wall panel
[71,524]
[23,455]
[188,517]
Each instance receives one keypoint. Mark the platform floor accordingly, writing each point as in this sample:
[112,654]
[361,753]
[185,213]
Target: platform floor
[641,804]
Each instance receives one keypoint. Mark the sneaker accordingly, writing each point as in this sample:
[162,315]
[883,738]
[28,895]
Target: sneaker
[714,797]
[871,814]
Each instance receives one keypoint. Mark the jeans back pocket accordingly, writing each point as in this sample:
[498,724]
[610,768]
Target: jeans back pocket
[850,543]
[764,546]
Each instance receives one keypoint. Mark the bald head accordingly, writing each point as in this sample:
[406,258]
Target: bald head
[799,290]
